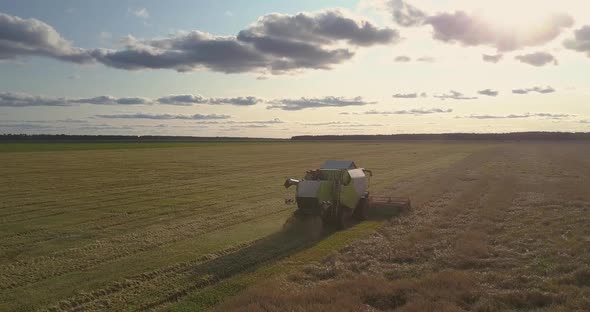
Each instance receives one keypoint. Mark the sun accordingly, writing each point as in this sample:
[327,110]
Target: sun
[520,15]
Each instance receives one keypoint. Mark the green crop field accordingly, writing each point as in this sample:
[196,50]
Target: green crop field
[169,225]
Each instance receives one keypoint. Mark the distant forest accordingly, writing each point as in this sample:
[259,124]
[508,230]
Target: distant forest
[516,136]
[62,138]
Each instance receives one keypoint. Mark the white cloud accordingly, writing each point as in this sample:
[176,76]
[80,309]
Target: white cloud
[141,13]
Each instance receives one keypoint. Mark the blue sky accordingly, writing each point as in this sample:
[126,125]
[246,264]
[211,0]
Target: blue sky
[369,66]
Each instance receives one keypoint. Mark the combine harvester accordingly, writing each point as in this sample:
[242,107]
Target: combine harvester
[337,194]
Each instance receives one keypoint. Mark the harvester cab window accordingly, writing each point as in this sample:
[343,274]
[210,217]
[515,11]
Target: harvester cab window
[313,175]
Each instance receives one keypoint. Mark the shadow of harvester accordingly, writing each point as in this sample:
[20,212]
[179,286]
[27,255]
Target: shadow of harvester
[265,251]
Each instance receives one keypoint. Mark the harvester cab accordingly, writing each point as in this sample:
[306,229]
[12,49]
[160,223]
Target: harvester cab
[338,193]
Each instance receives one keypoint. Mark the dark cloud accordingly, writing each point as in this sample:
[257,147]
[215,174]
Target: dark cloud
[403,59]
[98,100]
[460,27]
[276,43]
[329,101]
[541,90]
[521,116]
[133,101]
[182,99]
[405,14]
[109,100]
[238,101]
[581,40]
[537,59]
[164,116]
[405,96]
[489,92]
[324,28]
[455,95]
[26,37]
[495,58]
[8,99]
[419,111]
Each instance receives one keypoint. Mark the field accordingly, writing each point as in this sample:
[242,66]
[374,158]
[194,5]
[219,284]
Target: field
[195,226]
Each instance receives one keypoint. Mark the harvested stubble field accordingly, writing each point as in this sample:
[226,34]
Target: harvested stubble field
[504,229]
[187,226]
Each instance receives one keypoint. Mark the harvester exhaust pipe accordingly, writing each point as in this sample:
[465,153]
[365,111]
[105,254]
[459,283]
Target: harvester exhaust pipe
[291,182]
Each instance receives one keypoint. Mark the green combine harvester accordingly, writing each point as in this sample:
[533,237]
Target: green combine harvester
[338,193]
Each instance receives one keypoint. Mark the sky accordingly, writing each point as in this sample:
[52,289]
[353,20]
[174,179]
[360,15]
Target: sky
[283,68]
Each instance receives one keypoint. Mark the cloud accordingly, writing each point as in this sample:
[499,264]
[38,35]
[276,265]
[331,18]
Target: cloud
[141,13]
[252,126]
[164,116]
[134,101]
[8,99]
[454,95]
[31,37]
[105,37]
[232,122]
[182,99]
[468,30]
[276,43]
[328,101]
[521,116]
[426,59]
[408,95]
[405,14]
[581,40]
[238,101]
[420,111]
[541,90]
[495,58]
[537,59]
[340,124]
[489,92]
[403,59]
[109,100]
[265,122]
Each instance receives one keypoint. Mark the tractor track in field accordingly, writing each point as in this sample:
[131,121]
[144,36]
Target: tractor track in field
[117,200]
[64,249]
[6,241]
[78,262]
[131,188]
[196,275]
[497,232]
[85,301]
[185,278]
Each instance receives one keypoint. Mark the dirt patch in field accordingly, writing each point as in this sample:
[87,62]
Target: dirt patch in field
[502,230]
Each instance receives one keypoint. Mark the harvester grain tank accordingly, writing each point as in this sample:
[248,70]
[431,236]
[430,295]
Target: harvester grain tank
[338,193]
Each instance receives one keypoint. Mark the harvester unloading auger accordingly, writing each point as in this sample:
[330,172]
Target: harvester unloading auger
[338,193]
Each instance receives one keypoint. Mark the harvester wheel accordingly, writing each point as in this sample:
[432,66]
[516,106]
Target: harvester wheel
[309,226]
[292,221]
[344,218]
[360,213]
